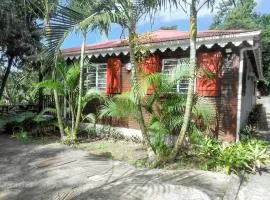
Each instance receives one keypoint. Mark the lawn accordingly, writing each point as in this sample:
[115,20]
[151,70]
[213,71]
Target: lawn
[117,150]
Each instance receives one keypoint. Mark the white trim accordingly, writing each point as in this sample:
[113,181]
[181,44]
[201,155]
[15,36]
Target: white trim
[240,86]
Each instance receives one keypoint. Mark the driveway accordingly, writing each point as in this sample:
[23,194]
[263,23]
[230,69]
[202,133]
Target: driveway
[56,171]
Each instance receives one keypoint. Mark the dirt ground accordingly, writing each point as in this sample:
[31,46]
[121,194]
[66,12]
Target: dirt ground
[117,150]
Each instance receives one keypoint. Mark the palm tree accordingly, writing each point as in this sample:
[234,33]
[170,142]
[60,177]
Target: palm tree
[194,7]
[44,10]
[164,107]
[86,16]
[130,12]
[67,85]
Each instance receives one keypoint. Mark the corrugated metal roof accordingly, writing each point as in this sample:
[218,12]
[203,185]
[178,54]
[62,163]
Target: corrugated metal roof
[157,36]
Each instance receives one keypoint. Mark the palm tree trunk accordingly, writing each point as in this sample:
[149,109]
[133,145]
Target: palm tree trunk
[190,95]
[40,91]
[5,78]
[140,117]
[57,106]
[55,93]
[58,114]
[79,108]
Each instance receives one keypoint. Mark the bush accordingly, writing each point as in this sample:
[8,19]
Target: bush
[244,156]
[23,136]
[247,132]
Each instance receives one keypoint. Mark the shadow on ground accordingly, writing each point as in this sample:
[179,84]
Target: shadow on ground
[58,172]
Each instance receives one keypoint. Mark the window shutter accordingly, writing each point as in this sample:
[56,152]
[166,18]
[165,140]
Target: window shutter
[151,64]
[114,70]
[209,76]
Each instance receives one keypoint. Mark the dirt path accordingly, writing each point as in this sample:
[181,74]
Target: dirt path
[58,172]
[257,186]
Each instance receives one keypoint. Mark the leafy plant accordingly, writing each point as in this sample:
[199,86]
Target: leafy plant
[257,154]
[164,107]
[247,132]
[244,156]
[23,136]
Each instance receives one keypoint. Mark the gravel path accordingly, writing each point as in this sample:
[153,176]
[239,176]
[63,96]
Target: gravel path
[257,186]
[55,171]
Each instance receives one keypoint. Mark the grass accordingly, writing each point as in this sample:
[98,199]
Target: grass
[117,150]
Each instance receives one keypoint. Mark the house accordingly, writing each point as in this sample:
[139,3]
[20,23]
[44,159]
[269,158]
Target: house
[233,55]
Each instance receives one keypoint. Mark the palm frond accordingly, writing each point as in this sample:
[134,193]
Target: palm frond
[72,77]
[91,95]
[63,21]
[121,106]
[51,85]
[40,116]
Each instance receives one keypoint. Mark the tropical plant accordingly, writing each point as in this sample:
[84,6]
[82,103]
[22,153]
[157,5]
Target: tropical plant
[14,122]
[164,107]
[66,20]
[18,86]
[244,156]
[194,6]
[129,13]
[67,86]
[23,136]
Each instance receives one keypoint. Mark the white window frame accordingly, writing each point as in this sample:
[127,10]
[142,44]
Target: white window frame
[178,89]
[89,71]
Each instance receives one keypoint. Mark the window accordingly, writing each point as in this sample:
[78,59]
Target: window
[96,75]
[169,66]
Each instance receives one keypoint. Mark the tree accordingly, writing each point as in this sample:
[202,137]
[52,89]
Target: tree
[44,10]
[168,27]
[241,14]
[164,107]
[194,8]
[67,85]
[236,14]
[19,85]
[19,35]
[85,16]
[130,12]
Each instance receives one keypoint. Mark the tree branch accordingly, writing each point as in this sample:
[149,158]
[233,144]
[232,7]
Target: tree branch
[200,7]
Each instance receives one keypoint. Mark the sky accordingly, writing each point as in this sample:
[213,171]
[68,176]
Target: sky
[163,18]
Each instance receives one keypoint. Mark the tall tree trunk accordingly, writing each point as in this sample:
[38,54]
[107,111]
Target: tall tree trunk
[40,91]
[5,78]
[140,117]
[190,95]
[55,93]
[58,114]
[57,107]
[79,108]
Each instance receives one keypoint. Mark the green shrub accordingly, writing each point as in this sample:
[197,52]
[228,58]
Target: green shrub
[244,156]
[257,154]
[23,136]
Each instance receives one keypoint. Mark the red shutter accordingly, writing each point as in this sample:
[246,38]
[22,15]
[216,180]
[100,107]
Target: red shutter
[209,76]
[114,70]
[151,64]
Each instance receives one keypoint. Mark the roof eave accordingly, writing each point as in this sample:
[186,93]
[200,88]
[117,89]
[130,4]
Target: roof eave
[223,40]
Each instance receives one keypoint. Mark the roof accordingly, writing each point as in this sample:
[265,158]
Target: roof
[164,39]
